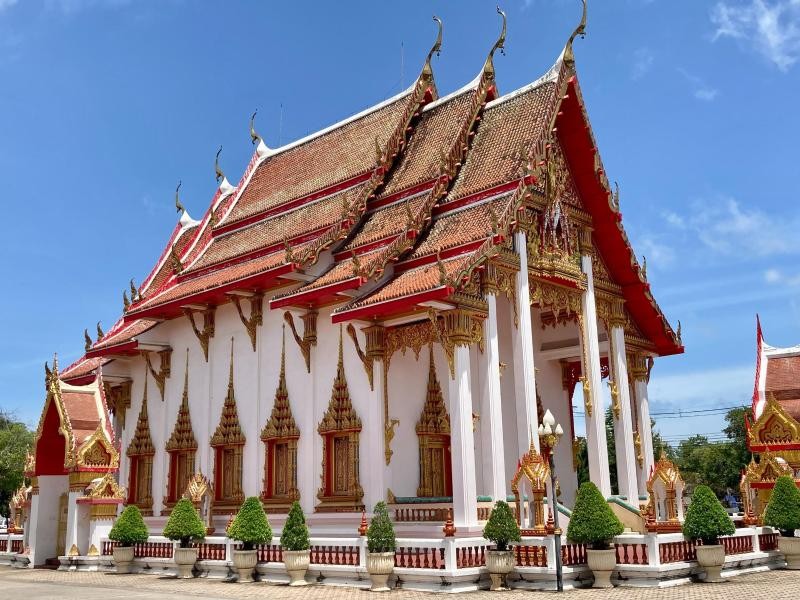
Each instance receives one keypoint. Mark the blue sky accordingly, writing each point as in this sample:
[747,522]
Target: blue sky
[106,104]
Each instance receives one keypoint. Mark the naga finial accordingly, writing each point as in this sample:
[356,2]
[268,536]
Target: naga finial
[378,152]
[437,45]
[644,267]
[125,302]
[218,174]
[178,205]
[48,374]
[100,333]
[254,137]
[87,341]
[134,291]
[442,270]
[500,44]
[357,271]
[616,196]
[678,333]
[580,30]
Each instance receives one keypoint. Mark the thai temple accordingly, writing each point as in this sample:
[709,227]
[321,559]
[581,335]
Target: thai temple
[382,311]
[773,436]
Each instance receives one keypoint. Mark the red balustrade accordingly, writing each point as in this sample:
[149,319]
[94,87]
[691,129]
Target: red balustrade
[16,546]
[768,541]
[470,556]
[419,558]
[530,556]
[682,551]
[143,550]
[737,545]
[420,515]
[269,553]
[631,554]
[573,555]
[209,551]
[335,555]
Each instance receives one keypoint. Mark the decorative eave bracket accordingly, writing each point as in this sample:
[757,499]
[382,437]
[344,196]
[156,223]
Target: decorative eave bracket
[255,319]
[309,338]
[164,369]
[207,332]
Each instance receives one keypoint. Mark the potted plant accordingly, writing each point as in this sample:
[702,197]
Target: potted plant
[501,529]
[250,527]
[594,523]
[783,514]
[706,520]
[381,544]
[295,544]
[129,529]
[185,526]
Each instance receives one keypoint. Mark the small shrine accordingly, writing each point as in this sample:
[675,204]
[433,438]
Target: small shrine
[529,487]
[665,486]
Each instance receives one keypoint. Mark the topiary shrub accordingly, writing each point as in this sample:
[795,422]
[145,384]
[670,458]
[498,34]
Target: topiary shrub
[184,524]
[501,528]
[783,510]
[295,531]
[251,525]
[129,528]
[592,521]
[380,534]
[706,519]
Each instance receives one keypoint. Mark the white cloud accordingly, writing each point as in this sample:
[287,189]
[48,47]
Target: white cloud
[658,254]
[772,276]
[727,386]
[642,62]
[771,27]
[777,277]
[700,89]
[5,4]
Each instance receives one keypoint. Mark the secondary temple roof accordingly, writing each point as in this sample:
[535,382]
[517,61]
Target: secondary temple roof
[393,207]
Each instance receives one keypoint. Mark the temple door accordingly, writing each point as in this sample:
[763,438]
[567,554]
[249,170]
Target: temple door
[281,469]
[61,536]
[438,472]
[341,466]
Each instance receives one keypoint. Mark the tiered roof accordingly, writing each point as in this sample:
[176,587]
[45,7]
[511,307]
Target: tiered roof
[395,207]
[777,376]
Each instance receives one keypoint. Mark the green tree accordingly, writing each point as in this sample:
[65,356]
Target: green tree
[16,440]
[501,528]
[251,525]
[783,510]
[592,521]
[294,536]
[380,533]
[706,519]
[184,524]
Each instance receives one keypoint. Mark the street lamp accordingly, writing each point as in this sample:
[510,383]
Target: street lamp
[549,434]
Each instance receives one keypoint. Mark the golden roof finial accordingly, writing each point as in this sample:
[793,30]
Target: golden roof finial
[178,205]
[442,270]
[580,30]
[678,333]
[218,174]
[55,365]
[125,302]
[356,264]
[134,291]
[436,48]
[100,333]
[254,137]
[500,44]
[87,341]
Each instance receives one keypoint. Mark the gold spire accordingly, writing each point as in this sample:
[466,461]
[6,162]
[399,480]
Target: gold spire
[182,436]
[281,422]
[229,431]
[341,415]
[435,49]
[178,206]
[254,137]
[218,174]
[134,291]
[100,333]
[125,302]
[87,341]
[500,44]
[142,443]
[434,418]
[580,30]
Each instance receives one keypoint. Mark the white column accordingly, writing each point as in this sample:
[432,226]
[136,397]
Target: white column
[72,522]
[375,488]
[462,439]
[640,376]
[623,424]
[494,465]
[522,339]
[590,348]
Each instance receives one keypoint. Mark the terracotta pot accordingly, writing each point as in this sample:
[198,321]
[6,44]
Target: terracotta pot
[184,560]
[790,546]
[602,563]
[296,563]
[244,561]
[711,558]
[379,566]
[123,557]
[499,563]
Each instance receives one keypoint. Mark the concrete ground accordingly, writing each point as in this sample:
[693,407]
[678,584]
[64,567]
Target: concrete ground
[43,584]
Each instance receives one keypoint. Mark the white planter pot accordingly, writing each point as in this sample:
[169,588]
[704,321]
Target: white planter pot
[711,558]
[379,566]
[602,563]
[244,561]
[790,546]
[296,563]
[184,560]
[499,563]
[123,557]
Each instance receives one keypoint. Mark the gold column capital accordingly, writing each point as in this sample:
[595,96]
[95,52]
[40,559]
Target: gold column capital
[617,316]
[462,327]
[585,240]
[376,341]
[639,367]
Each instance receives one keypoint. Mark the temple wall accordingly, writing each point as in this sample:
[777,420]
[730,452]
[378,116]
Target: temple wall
[505,324]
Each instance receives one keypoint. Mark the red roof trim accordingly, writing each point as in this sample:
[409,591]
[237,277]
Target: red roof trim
[128,347]
[443,255]
[317,294]
[412,191]
[393,305]
[366,248]
[497,190]
[286,206]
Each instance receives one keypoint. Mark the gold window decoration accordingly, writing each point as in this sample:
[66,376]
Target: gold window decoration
[433,433]
[228,443]
[181,447]
[140,454]
[280,436]
[340,429]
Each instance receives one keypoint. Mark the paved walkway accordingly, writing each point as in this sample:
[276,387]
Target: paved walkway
[45,585]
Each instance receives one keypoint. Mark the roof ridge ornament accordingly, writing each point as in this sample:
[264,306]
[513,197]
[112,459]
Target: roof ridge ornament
[87,341]
[435,49]
[580,30]
[218,174]
[179,207]
[225,187]
[500,44]
[100,333]
[262,149]
[134,292]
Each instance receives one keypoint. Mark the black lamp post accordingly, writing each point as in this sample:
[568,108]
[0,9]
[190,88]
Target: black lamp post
[549,434]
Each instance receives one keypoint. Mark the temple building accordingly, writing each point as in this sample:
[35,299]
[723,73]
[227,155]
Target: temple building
[773,435]
[382,310]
